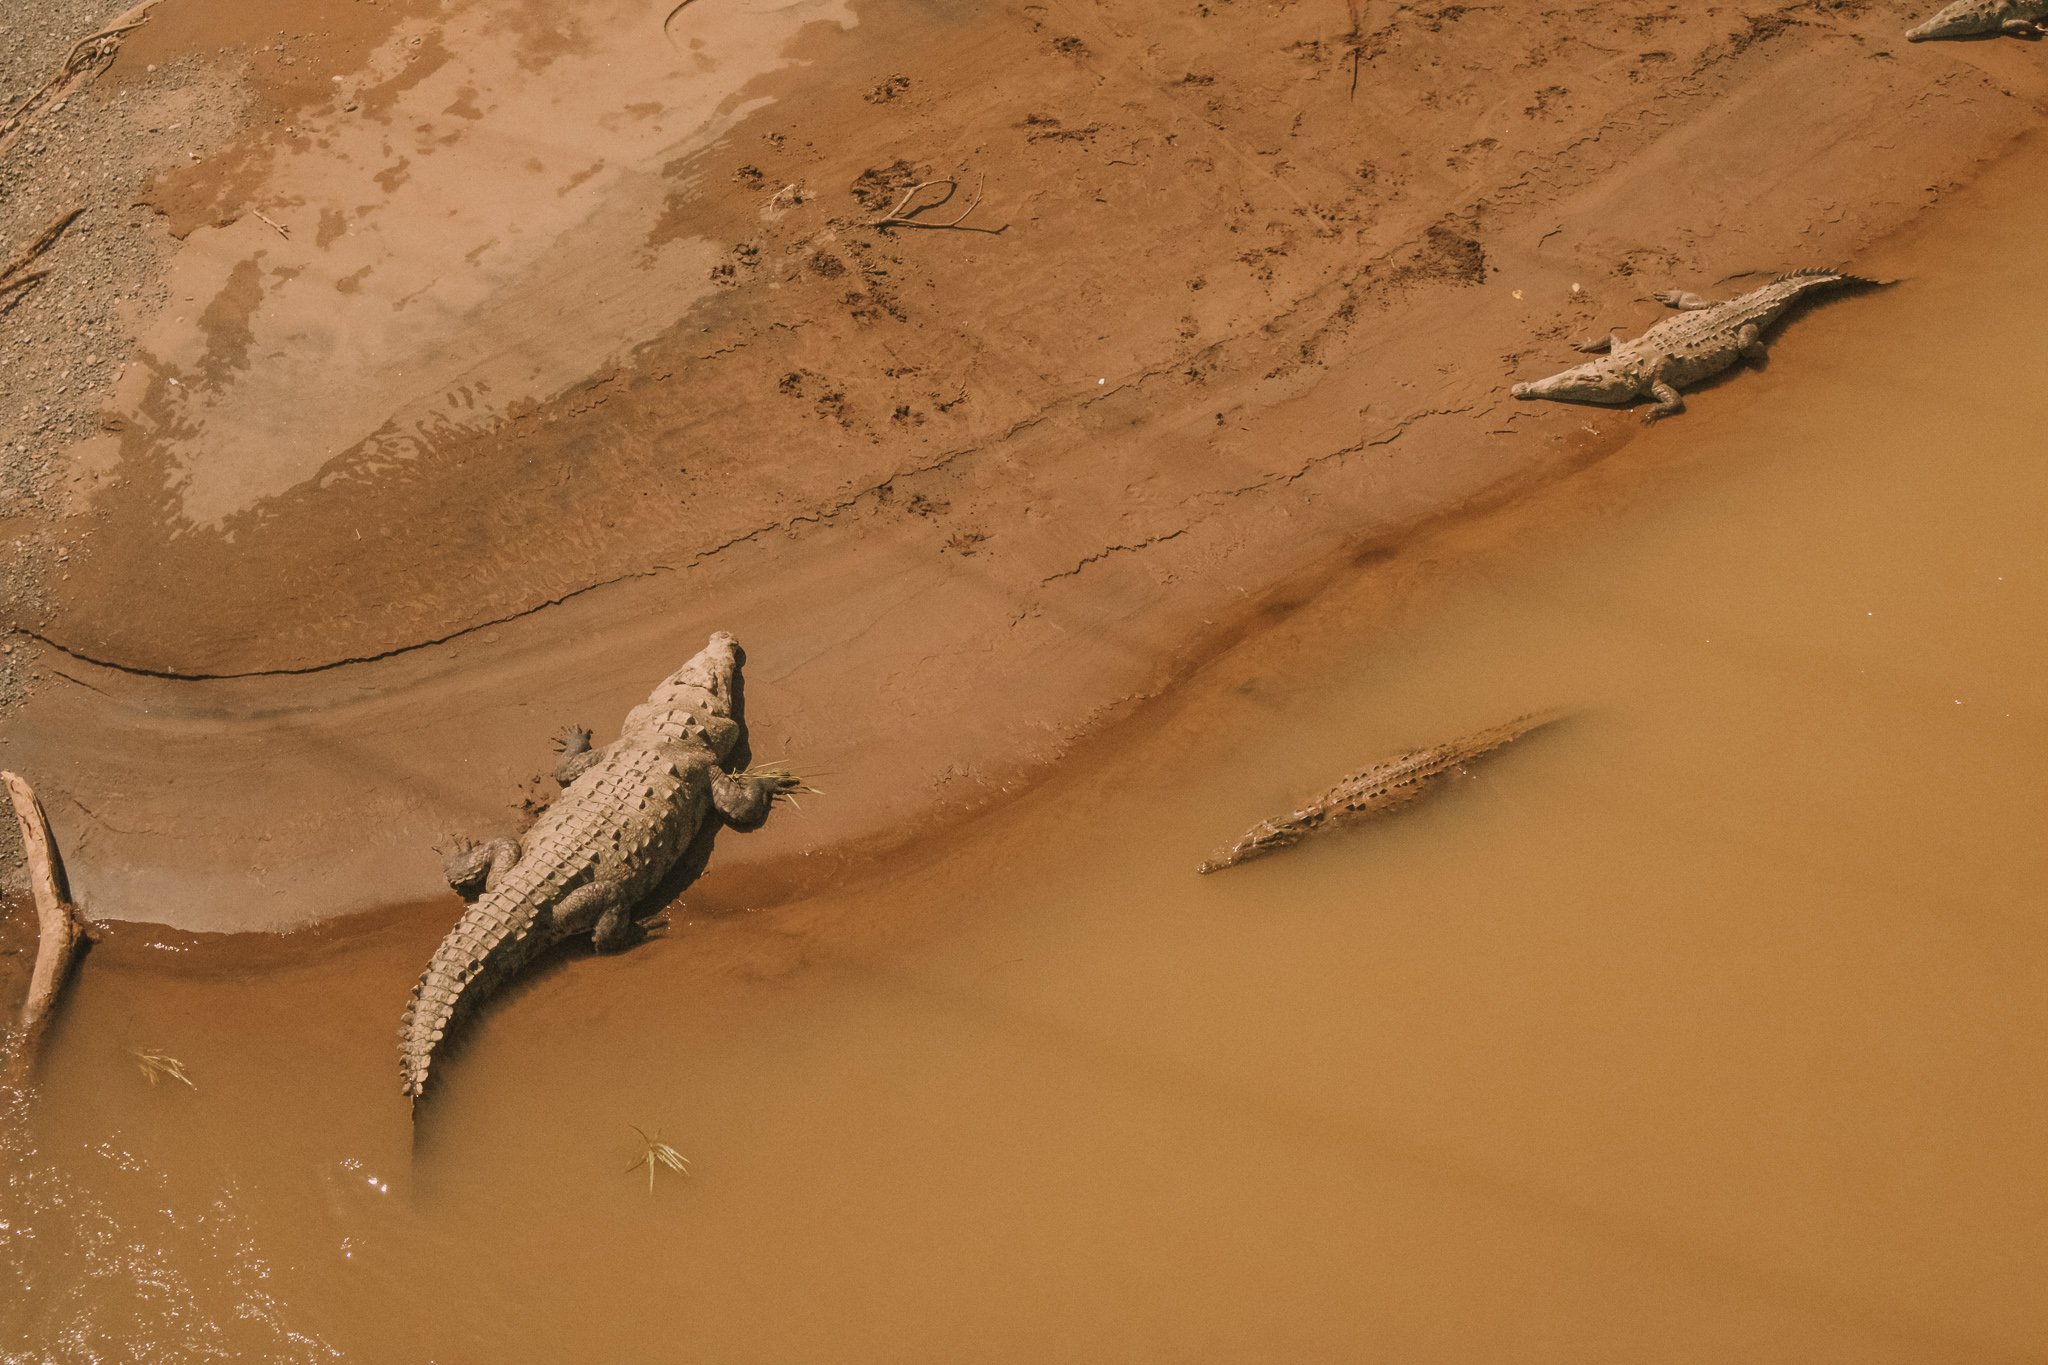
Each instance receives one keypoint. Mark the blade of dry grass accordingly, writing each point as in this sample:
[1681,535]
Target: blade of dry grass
[657,1155]
[787,784]
[156,1065]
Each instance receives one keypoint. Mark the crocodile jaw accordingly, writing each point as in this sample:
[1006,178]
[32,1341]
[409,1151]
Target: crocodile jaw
[1938,28]
[1598,382]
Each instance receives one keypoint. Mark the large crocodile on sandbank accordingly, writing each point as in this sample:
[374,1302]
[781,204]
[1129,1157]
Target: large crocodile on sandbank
[628,814]
[1679,352]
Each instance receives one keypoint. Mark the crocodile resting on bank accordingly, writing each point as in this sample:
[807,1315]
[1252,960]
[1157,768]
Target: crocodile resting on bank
[627,815]
[1705,339]
[1968,18]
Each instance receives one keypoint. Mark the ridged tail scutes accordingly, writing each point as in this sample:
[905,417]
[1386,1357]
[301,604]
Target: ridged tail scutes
[489,935]
[1820,274]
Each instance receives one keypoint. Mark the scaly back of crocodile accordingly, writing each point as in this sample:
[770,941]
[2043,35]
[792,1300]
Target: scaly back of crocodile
[627,819]
[1716,328]
[1386,785]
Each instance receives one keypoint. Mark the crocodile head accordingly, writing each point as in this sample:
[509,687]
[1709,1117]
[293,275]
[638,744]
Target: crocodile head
[1942,26]
[698,700]
[1599,381]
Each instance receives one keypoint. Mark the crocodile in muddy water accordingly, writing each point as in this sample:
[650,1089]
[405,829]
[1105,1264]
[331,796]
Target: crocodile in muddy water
[629,813]
[1679,352]
[1385,785]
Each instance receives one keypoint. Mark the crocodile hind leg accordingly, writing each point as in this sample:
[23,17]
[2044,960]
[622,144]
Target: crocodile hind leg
[473,871]
[1751,343]
[601,910]
[2021,28]
[1668,404]
[1681,300]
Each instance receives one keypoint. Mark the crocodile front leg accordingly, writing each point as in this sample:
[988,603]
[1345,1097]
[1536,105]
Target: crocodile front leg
[1750,343]
[1609,343]
[573,744]
[2021,28]
[744,800]
[1683,301]
[473,871]
[1669,403]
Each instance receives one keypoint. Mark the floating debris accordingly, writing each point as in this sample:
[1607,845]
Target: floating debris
[160,1064]
[657,1156]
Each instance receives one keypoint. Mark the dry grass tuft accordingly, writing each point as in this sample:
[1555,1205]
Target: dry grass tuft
[658,1154]
[787,784]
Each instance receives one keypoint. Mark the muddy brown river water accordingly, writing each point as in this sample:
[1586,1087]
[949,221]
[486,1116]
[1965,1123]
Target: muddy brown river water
[1703,1026]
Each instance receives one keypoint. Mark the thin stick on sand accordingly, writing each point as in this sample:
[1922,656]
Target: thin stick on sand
[62,933]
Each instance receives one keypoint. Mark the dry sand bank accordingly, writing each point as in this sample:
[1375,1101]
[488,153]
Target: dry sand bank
[568,341]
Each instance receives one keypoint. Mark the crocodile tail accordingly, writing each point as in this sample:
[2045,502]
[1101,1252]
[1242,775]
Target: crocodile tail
[1822,275]
[484,947]
[1486,741]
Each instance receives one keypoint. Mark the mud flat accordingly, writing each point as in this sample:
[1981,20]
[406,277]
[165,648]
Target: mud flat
[495,354]
[1697,1026]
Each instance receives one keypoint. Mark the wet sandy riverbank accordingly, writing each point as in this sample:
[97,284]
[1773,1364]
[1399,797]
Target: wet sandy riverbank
[1694,1028]
[965,496]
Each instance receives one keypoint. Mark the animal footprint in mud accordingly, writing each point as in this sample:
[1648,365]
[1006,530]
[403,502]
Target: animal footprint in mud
[887,90]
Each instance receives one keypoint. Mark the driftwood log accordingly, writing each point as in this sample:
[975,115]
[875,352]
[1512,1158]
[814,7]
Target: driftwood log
[62,934]
[1370,791]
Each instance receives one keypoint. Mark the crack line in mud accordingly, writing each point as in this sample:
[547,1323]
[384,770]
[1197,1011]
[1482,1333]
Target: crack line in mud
[173,675]
[818,517]
[1400,429]
[1362,444]
[1107,551]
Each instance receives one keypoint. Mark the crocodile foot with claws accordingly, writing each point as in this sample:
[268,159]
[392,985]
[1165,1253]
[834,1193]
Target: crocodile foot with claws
[627,815]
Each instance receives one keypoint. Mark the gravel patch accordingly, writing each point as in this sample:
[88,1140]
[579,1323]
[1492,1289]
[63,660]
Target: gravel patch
[65,341]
